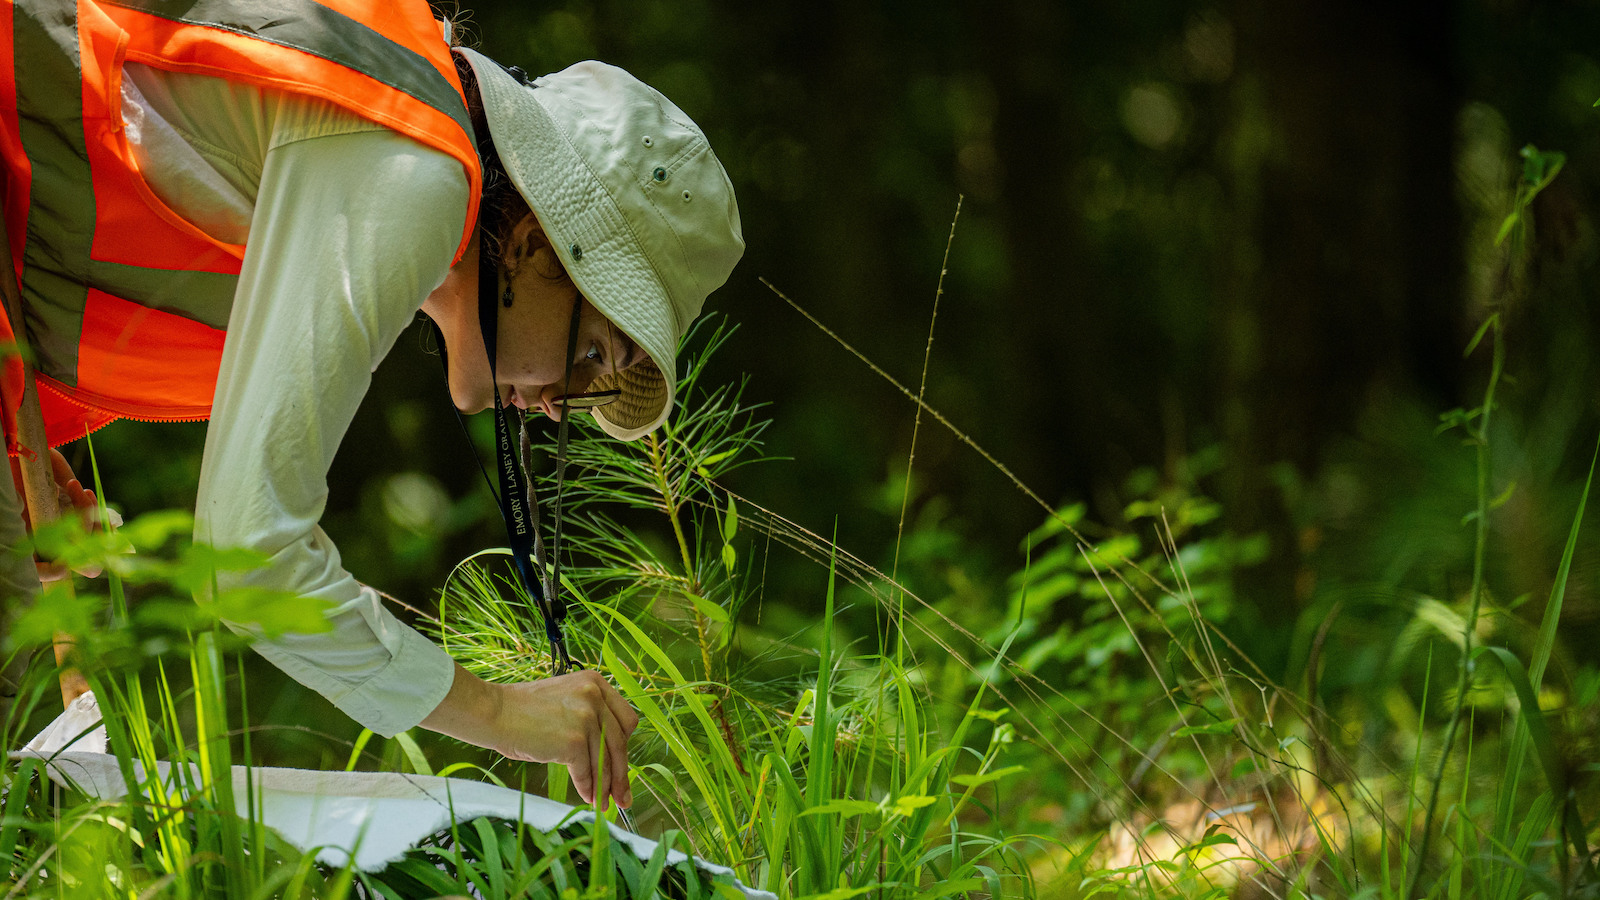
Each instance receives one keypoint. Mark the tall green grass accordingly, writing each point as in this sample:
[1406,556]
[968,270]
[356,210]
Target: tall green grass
[831,779]
[170,686]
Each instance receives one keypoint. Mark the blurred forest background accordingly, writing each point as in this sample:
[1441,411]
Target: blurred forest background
[1229,250]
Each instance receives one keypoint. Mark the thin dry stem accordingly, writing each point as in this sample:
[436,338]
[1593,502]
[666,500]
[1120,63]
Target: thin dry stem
[923,405]
[922,392]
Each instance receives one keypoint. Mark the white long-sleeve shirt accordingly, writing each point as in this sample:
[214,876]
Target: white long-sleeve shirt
[348,227]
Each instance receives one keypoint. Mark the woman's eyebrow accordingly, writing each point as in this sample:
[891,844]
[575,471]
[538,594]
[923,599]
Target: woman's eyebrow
[631,350]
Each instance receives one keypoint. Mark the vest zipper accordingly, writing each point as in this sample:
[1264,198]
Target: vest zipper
[44,384]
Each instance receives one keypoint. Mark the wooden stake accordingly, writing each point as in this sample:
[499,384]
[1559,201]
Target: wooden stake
[39,486]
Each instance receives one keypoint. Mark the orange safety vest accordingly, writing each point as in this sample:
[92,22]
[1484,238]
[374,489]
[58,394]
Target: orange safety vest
[124,301]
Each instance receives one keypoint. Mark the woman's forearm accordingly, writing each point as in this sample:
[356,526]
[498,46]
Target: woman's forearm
[469,711]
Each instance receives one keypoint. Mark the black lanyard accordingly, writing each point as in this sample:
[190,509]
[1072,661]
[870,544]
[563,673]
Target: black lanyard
[518,502]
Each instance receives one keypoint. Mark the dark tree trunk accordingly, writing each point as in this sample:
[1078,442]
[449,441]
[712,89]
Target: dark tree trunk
[1349,208]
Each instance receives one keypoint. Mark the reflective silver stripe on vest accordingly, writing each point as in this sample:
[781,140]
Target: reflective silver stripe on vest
[55,278]
[57,268]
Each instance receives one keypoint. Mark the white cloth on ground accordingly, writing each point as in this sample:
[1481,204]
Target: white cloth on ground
[370,817]
[78,727]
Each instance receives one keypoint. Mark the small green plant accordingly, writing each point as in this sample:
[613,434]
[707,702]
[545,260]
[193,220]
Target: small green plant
[823,776]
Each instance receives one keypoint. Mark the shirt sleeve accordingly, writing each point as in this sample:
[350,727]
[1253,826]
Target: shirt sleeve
[350,232]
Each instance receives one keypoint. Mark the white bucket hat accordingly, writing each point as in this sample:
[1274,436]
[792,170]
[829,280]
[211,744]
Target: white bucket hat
[636,205]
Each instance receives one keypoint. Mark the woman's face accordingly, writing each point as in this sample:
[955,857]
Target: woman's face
[530,366]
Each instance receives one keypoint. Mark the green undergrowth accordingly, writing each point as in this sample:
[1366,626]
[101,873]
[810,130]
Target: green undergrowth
[171,692]
[1099,733]
[1105,734]
[1090,723]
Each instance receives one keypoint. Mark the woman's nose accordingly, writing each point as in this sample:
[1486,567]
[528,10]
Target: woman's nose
[510,395]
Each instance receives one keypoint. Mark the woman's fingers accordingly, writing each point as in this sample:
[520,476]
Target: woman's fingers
[80,496]
[582,768]
[622,712]
[602,773]
[614,777]
[606,762]
[578,720]
[68,486]
[60,469]
[622,720]
[599,750]
[70,495]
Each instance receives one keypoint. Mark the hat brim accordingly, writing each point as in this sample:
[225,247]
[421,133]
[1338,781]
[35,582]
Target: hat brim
[592,239]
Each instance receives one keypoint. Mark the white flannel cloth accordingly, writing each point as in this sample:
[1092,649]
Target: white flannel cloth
[372,818]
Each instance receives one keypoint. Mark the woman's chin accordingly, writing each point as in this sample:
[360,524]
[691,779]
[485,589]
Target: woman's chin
[470,402]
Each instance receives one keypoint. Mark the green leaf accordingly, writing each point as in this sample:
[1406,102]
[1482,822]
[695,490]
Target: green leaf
[1505,495]
[355,750]
[1212,840]
[274,612]
[408,744]
[1539,733]
[1488,323]
[1198,511]
[1140,509]
[152,530]
[1540,167]
[844,893]
[489,852]
[704,468]
[982,778]
[171,615]
[846,808]
[433,880]
[1457,418]
[199,564]
[907,805]
[1495,503]
[557,782]
[730,522]
[1506,227]
[709,609]
[992,715]
[1532,716]
[57,610]
[1558,590]
[1223,727]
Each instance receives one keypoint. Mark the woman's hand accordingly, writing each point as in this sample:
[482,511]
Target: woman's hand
[578,720]
[70,495]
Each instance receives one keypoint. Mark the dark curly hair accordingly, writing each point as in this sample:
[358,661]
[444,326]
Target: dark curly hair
[501,205]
